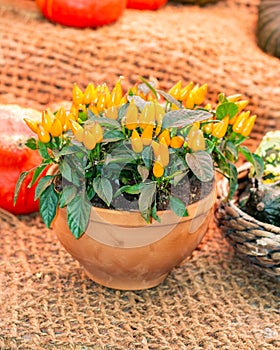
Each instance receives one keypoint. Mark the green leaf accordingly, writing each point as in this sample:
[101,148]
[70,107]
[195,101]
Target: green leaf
[103,188]
[139,101]
[48,204]
[37,172]
[31,143]
[201,165]
[231,151]
[178,206]
[42,185]
[254,159]
[150,87]
[147,156]
[143,171]
[154,213]
[183,117]
[130,189]
[233,185]
[43,150]
[19,183]
[67,150]
[226,108]
[67,195]
[69,172]
[103,121]
[113,136]
[122,111]
[78,212]
[170,98]
[146,199]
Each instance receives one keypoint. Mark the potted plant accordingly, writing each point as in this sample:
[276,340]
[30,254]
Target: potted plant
[251,221]
[131,186]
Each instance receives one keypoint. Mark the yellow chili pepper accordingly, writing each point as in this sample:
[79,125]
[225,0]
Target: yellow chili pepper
[197,142]
[158,169]
[163,154]
[77,130]
[200,93]
[112,113]
[97,132]
[164,136]
[155,147]
[77,95]
[131,116]
[240,122]
[101,103]
[61,116]
[207,128]
[185,91]
[93,109]
[147,135]
[136,142]
[89,94]
[47,120]
[117,93]
[177,141]
[89,140]
[159,114]
[241,104]
[234,98]
[32,124]
[56,128]
[192,132]
[43,134]
[175,91]
[74,111]
[147,116]
[249,126]
[220,128]
[190,101]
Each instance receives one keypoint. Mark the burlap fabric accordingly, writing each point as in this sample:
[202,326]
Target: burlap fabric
[214,300]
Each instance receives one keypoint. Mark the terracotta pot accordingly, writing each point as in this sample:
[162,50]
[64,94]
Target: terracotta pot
[119,250]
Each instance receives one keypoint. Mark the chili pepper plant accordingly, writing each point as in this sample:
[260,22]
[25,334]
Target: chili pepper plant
[141,146]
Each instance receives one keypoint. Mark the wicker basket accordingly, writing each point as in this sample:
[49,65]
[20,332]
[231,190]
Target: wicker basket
[257,242]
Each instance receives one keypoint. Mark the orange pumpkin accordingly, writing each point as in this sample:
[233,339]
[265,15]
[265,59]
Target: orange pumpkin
[145,4]
[15,157]
[82,13]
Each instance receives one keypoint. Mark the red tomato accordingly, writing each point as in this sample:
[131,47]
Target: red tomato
[145,4]
[82,13]
[15,158]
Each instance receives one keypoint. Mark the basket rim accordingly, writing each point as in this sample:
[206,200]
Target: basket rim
[222,192]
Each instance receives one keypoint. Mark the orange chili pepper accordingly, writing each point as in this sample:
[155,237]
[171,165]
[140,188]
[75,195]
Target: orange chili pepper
[158,169]
[147,135]
[165,136]
[177,141]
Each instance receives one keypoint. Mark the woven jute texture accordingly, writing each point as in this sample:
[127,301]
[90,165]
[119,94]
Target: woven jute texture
[213,301]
